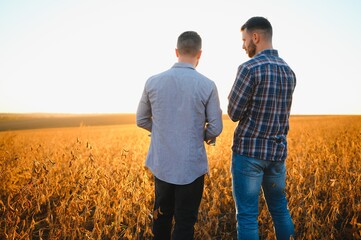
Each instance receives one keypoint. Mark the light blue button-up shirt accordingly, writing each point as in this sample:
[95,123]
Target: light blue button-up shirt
[180,107]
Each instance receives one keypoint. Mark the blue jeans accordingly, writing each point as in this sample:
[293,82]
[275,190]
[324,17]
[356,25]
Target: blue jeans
[248,176]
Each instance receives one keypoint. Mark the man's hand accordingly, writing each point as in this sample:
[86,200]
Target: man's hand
[211,142]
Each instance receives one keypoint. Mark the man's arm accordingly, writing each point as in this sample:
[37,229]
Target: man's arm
[144,112]
[240,95]
[214,123]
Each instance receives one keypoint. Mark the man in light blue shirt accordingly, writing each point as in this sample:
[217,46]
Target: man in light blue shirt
[180,107]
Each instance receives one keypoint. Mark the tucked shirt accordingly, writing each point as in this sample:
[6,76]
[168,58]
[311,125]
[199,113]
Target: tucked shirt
[260,100]
[180,107]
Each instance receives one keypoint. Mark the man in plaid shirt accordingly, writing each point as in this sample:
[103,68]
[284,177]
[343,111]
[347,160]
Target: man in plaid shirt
[260,100]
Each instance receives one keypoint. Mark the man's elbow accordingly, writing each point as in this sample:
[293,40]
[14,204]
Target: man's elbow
[232,116]
[234,119]
[140,124]
[219,129]
[143,123]
[216,129]
[139,121]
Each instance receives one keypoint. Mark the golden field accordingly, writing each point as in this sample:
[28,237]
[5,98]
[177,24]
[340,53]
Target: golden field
[89,182]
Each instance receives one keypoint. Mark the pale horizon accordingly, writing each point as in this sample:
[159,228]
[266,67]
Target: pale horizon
[93,57]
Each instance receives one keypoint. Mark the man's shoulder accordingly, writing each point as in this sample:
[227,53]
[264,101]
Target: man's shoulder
[247,66]
[253,63]
[159,76]
[203,77]
[261,60]
[256,61]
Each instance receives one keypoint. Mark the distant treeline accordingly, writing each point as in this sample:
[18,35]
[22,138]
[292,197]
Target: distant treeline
[9,122]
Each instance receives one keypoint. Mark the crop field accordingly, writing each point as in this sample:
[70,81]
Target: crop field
[89,182]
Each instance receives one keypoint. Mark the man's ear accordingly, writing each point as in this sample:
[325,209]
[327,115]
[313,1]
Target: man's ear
[176,52]
[199,54]
[255,37]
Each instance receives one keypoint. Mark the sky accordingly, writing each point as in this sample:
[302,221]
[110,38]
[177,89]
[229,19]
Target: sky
[90,56]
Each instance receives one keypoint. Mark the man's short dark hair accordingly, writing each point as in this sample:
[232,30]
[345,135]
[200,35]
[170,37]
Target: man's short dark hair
[258,23]
[189,43]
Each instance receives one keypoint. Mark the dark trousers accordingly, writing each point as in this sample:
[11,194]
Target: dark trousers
[180,201]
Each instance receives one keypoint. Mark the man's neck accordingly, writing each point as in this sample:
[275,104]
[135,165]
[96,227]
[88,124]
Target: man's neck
[190,60]
[264,46]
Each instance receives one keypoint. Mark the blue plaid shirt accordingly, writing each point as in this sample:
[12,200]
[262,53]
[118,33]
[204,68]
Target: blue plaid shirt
[260,100]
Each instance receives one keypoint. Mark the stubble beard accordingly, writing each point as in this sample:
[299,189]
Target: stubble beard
[251,49]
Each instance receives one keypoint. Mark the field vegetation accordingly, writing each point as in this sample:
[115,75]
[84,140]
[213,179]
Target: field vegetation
[89,182]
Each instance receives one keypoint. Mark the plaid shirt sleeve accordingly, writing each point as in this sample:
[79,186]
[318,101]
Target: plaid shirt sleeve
[241,94]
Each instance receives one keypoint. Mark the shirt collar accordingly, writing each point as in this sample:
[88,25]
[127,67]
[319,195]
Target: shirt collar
[272,52]
[183,65]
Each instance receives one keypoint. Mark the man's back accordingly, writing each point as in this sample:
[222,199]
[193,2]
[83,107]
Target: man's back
[262,106]
[180,98]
